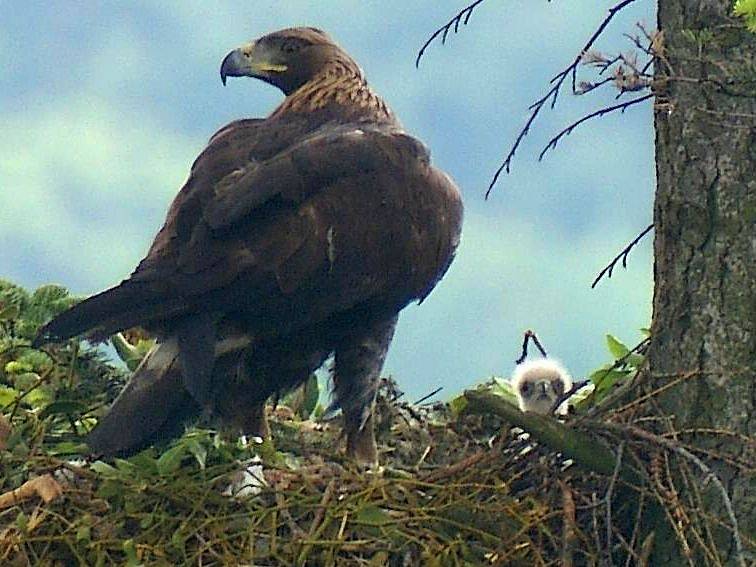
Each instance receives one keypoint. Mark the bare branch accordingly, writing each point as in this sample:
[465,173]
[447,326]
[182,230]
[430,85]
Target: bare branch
[462,17]
[576,387]
[606,110]
[609,268]
[427,396]
[608,502]
[527,337]
[557,81]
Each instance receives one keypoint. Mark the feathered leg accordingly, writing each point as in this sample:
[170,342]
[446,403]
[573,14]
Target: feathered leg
[359,359]
[263,371]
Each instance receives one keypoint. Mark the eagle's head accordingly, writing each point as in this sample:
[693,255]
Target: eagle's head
[286,58]
[538,384]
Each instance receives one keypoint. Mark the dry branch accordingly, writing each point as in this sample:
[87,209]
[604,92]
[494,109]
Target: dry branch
[44,487]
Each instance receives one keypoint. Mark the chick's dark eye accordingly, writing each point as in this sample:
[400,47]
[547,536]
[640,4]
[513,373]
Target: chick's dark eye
[526,389]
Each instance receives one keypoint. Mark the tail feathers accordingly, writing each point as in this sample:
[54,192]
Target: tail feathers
[126,305]
[153,406]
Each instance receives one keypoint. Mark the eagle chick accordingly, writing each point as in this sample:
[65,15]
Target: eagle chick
[538,385]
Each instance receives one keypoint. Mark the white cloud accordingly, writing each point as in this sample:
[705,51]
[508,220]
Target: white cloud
[78,179]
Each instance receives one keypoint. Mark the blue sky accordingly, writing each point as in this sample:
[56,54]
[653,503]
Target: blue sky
[104,105]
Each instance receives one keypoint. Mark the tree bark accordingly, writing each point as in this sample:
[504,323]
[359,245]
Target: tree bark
[704,314]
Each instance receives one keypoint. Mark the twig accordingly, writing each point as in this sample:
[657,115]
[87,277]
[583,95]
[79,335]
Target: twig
[426,396]
[462,17]
[320,514]
[5,431]
[636,530]
[527,337]
[569,529]
[557,81]
[597,114]
[609,268]
[677,378]
[608,502]
[709,477]
[646,548]
[283,508]
[576,387]
[464,464]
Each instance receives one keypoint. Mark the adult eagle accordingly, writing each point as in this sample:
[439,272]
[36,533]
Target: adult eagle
[296,236]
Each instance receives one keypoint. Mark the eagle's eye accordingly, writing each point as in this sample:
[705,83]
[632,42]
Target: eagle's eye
[526,388]
[291,46]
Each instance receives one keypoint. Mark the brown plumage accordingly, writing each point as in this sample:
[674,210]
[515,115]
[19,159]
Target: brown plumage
[295,237]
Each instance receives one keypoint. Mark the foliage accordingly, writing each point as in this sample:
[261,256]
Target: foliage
[52,390]
[747,10]
[625,364]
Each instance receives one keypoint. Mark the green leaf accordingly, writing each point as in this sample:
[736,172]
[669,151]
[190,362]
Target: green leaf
[604,381]
[37,359]
[198,450]
[9,312]
[147,521]
[143,463]
[104,469]
[311,394]
[126,351]
[84,533]
[616,347]
[18,367]
[39,397]
[458,405]
[170,461]
[68,448]
[503,389]
[372,515]
[603,373]
[111,490]
[63,407]
[25,380]
[178,540]
[7,395]
[129,548]
[22,522]
[747,10]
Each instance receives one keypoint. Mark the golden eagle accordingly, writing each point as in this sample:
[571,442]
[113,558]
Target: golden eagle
[296,236]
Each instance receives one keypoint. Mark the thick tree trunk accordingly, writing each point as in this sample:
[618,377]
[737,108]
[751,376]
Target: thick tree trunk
[704,322]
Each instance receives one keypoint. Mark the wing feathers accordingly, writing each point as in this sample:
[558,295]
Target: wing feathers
[152,406]
[308,167]
[89,316]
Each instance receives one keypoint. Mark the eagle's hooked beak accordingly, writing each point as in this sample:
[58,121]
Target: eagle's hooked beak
[249,61]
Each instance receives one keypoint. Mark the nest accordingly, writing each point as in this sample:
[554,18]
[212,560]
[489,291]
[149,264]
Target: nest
[473,482]
[454,490]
